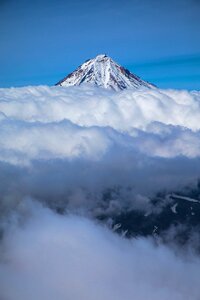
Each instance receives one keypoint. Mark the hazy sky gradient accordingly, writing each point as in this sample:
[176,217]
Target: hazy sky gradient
[42,41]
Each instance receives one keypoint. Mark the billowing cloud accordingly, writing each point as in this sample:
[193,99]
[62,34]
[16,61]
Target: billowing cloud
[84,141]
[85,153]
[86,106]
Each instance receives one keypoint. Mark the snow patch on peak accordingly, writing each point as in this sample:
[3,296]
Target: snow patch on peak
[101,56]
[102,71]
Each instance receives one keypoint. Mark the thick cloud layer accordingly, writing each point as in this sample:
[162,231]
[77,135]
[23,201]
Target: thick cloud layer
[88,122]
[76,143]
[87,106]
[92,153]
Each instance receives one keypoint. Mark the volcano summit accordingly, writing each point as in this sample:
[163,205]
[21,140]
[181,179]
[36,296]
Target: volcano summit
[102,71]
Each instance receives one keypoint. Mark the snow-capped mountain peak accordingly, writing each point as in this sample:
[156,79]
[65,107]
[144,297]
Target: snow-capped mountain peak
[102,71]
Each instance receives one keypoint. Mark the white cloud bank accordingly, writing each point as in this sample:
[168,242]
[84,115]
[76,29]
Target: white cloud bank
[67,147]
[44,122]
[86,106]
[91,139]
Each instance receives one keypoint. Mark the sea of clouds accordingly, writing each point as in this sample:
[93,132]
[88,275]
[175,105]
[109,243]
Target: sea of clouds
[61,151]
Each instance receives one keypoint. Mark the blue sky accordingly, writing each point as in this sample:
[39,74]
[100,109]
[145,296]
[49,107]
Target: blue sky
[42,41]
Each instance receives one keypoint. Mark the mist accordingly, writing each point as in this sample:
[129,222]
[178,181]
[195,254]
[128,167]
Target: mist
[47,256]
